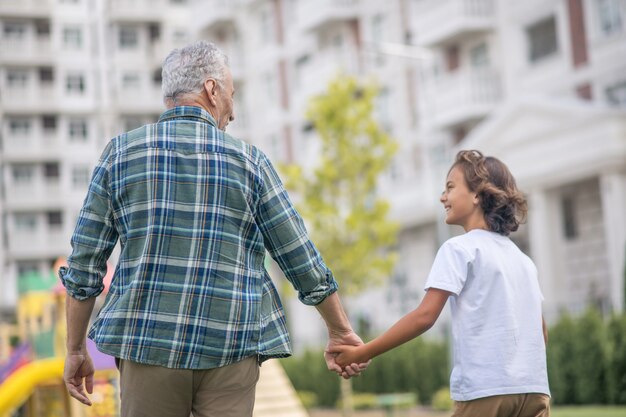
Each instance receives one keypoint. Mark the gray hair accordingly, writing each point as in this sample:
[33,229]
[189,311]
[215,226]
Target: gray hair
[186,69]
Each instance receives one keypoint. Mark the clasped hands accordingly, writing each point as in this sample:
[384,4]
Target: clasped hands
[343,355]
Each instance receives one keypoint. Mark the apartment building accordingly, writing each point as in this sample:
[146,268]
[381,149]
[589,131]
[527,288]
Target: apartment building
[540,84]
[73,73]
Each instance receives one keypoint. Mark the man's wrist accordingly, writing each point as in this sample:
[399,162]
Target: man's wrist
[339,331]
[76,349]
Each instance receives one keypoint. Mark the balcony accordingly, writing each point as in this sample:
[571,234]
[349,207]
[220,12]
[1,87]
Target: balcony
[37,193]
[137,10]
[39,243]
[213,13]
[38,145]
[315,15]
[30,98]
[141,101]
[464,96]
[25,8]
[26,51]
[322,68]
[437,22]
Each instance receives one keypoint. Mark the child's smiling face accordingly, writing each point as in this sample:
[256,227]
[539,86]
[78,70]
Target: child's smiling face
[462,205]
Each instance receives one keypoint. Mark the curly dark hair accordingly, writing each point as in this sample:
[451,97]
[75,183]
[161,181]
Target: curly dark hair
[503,204]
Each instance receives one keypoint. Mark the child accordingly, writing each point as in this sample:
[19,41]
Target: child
[499,336]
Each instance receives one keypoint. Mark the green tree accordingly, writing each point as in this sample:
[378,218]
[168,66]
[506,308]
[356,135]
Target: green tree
[347,220]
[338,200]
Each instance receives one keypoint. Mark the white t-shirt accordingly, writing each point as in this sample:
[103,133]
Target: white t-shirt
[497,334]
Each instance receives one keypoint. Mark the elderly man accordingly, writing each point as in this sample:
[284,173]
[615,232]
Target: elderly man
[191,311]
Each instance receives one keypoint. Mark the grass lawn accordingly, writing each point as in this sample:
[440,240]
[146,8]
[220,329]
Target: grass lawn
[588,411]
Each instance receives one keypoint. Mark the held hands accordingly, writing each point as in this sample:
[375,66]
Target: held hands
[346,355]
[78,366]
[345,369]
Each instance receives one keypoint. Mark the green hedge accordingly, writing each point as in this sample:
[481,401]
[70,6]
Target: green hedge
[586,365]
[421,367]
[587,359]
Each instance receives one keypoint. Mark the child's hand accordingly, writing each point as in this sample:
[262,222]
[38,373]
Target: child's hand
[348,355]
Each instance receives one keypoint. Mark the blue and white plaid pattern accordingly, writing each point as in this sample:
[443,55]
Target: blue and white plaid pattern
[194,210]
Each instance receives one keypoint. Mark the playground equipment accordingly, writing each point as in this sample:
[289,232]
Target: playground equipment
[31,370]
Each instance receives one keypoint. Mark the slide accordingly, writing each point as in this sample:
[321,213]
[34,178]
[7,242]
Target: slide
[16,389]
[19,357]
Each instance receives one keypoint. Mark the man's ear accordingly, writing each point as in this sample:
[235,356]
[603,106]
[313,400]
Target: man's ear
[210,86]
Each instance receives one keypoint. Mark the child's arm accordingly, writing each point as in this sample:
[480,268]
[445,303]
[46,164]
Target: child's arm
[545,330]
[407,328]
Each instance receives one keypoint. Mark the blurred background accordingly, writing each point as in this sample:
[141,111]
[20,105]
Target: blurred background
[540,84]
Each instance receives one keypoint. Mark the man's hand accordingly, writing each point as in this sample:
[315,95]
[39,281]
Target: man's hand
[339,339]
[345,355]
[78,366]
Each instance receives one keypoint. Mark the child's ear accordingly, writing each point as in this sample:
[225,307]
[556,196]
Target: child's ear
[476,199]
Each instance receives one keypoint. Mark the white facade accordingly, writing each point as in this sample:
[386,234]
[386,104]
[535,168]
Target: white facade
[539,84]
[73,73]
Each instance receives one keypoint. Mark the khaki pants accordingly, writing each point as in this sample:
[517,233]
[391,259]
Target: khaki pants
[514,405]
[155,391]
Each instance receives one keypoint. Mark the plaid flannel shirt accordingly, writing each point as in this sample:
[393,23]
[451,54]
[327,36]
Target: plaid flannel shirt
[194,210]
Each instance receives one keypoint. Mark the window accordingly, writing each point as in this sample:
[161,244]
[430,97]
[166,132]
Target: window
[609,16]
[157,76]
[301,65]
[49,122]
[542,40]
[55,219]
[452,58]
[479,56]
[128,37]
[130,81]
[75,84]
[51,170]
[616,94]
[22,173]
[378,36]
[78,130]
[155,32]
[46,75]
[26,267]
[72,38]
[25,222]
[265,26]
[80,177]
[19,126]
[382,104]
[568,210]
[14,30]
[42,27]
[17,78]
[271,87]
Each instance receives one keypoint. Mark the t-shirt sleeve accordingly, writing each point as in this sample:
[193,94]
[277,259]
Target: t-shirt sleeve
[450,268]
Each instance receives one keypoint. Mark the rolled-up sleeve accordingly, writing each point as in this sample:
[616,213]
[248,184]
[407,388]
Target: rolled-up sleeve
[287,240]
[94,237]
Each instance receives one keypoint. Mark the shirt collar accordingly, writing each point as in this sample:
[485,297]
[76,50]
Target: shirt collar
[187,112]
